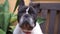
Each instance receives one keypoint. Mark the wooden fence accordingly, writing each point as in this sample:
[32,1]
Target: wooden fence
[51,12]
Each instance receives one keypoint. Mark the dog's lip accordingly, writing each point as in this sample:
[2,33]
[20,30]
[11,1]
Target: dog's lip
[27,30]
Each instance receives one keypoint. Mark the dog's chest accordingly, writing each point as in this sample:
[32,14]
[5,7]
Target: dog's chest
[36,30]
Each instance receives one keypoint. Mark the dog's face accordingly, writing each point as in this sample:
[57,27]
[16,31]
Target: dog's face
[27,17]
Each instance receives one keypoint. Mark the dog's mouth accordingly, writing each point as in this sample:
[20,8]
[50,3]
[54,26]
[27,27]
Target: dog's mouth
[26,26]
[27,31]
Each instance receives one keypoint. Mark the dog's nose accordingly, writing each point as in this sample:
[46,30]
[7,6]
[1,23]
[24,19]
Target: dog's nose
[26,16]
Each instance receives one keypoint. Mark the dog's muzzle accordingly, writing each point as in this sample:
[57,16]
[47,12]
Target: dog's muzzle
[27,19]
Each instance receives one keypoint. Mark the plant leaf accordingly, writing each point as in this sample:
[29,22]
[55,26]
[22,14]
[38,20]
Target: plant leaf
[40,20]
[6,6]
[17,3]
[12,28]
[2,32]
[1,7]
[13,18]
[7,18]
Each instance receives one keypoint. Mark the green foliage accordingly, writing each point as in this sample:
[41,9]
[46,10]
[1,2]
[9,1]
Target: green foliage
[2,32]
[13,18]
[41,20]
[6,6]
[12,28]
[1,5]
[5,17]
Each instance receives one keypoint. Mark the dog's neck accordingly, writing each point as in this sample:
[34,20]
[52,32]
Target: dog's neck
[36,30]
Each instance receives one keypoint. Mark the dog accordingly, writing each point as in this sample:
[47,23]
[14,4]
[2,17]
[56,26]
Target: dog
[27,17]
[27,21]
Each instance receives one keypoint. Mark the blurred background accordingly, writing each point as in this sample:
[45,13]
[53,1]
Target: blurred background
[48,17]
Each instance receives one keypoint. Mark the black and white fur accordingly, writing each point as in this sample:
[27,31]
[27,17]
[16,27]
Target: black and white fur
[27,15]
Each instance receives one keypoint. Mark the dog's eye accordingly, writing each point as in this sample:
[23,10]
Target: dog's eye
[31,12]
[22,11]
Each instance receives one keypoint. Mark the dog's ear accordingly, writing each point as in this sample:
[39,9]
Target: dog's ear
[21,3]
[24,2]
[36,6]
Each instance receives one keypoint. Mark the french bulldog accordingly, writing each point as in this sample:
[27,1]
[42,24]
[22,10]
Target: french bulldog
[27,17]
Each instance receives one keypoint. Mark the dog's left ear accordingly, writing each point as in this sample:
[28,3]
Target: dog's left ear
[36,6]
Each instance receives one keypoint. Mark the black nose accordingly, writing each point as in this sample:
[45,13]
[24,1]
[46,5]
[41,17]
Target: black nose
[26,16]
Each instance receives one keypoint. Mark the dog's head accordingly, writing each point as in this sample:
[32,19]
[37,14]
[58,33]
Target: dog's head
[27,16]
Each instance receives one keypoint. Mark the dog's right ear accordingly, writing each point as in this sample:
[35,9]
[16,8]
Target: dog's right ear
[36,6]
